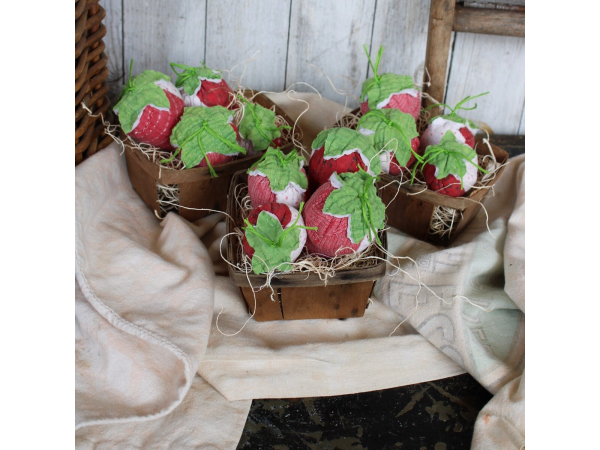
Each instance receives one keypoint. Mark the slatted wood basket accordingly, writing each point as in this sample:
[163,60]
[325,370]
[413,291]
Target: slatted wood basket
[414,210]
[91,74]
[193,188]
[300,295]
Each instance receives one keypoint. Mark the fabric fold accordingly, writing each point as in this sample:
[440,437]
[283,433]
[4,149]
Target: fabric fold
[150,286]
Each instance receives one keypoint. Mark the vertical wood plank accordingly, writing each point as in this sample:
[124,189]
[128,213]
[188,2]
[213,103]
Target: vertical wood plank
[237,29]
[114,46]
[330,35]
[484,63]
[401,27]
[158,32]
[522,124]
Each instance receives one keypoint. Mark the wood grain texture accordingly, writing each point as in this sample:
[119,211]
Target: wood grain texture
[266,309]
[489,21]
[237,29]
[484,63]
[522,123]
[441,17]
[325,302]
[157,33]
[401,27]
[114,46]
[330,35]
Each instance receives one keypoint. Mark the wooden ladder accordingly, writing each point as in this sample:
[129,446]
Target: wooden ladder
[446,16]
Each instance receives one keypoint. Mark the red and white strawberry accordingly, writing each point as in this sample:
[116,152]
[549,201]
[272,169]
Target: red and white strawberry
[450,167]
[278,178]
[274,237]
[206,137]
[201,86]
[389,91]
[149,107]
[394,135]
[347,214]
[340,150]
[463,129]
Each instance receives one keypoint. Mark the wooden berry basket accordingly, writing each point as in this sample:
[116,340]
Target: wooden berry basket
[300,295]
[414,207]
[197,188]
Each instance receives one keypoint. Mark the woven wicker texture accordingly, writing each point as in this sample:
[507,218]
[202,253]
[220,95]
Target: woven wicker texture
[91,74]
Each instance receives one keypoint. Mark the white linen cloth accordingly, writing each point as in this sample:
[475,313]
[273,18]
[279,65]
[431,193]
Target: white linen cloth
[145,322]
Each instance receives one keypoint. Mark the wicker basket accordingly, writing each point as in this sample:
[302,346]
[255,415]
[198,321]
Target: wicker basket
[91,74]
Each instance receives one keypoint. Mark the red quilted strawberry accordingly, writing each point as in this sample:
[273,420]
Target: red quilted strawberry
[347,214]
[463,129]
[389,91]
[149,107]
[340,150]
[394,136]
[201,86]
[278,178]
[450,167]
[206,137]
[274,237]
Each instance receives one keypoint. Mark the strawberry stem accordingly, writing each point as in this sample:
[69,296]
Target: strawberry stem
[377,61]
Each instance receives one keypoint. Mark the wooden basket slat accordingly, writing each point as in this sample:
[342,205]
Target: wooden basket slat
[91,75]
[80,7]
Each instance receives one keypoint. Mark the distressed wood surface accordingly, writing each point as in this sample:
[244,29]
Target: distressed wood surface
[522,124]
[292,34]
[157,33]
[489,21]
[482,63]
[236,30]
[401,27]
[330,36]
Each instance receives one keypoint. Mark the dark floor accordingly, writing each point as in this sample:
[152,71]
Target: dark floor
[437,415]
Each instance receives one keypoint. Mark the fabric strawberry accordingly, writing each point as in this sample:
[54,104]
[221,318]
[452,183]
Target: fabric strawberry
[394,131]
[278,178]
[258,125]
[274,237]
[463,129]
[347,214]
[390,91]
[149,107]
[450,167]
[340,150]
[206,137]
[201,86]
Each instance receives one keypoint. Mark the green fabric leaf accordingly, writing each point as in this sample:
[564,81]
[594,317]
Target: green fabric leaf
[449,156]
[190,78]
[377,89]
[272,246]
[338,140]
[390,124]
[139,93]
[457,119]
[202,130]
[281,169]
[358,198]
[258,125]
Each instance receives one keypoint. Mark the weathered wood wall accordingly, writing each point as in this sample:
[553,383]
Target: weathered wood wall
[304,40]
